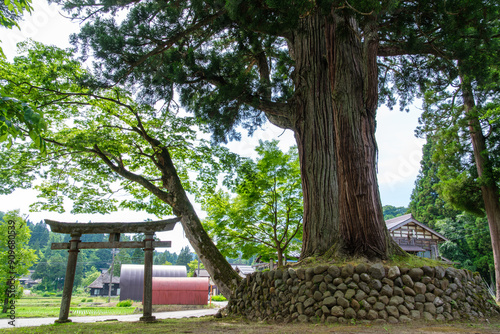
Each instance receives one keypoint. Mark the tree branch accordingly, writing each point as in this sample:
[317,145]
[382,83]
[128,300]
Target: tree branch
[171,41]
[120,170]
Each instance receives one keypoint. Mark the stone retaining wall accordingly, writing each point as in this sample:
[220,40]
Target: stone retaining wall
[363,292]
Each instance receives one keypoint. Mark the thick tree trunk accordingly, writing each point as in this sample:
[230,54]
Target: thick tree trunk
[314,133]
[215,263]
[353,74]
[336,78]
[280,257]
[489,188]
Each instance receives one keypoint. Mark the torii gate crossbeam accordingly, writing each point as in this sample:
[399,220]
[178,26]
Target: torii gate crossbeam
[114,229]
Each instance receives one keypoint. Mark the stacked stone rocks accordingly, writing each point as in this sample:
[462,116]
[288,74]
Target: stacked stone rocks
[363,292]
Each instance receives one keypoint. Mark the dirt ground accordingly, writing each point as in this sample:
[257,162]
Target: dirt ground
[238,325]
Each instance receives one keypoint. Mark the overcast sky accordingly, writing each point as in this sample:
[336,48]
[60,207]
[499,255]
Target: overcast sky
[399,151]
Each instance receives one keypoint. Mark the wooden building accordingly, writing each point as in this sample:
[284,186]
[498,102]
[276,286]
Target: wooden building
[26,280]
[414,237]
[100,287]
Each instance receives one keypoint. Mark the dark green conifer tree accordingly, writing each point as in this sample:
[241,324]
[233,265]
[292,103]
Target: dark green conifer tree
[426,204]
[184,257]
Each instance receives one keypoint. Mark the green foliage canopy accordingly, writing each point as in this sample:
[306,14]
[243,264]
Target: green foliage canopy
[17,118]
[11,11]
[230,60]
[469,244]
[265,215]
[90,130]
[391,211]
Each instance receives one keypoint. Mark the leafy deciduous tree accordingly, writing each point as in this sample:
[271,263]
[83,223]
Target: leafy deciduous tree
[100,138]
[193,266]
[265,216]
[11,11]
[15,112]
[90,276]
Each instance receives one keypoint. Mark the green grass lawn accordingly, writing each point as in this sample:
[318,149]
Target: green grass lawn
[39,307]
[56,301]
[52,311]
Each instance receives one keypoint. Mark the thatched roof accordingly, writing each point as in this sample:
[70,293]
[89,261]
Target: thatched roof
[102,279]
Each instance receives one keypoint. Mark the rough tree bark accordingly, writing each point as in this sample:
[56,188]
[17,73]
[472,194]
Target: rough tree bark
[336,81]
[314,132]
[489,188]
[354,79]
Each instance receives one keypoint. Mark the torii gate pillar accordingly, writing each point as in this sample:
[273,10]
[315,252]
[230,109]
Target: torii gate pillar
[148,279]
[114,229]
[69,278]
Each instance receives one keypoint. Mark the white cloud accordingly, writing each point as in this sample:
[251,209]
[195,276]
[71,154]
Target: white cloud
[400,153]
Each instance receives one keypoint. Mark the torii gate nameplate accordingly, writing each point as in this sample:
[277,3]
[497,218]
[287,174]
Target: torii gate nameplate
[114,230]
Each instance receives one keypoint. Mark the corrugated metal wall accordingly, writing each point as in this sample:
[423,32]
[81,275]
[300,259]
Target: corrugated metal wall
[132,278]
[180,291]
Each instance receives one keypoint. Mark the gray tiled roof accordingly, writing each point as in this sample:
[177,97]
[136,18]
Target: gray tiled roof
[391,223]
[395,223]
[201,273]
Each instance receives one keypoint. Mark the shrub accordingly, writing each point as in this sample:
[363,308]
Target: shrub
[48,294]
[219,298]
[83,300]
[90,300]
[124,303]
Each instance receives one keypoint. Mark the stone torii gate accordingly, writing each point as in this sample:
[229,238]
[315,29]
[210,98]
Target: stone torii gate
[114,229]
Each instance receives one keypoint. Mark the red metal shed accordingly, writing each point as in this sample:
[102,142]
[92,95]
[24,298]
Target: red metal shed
[132,278]
[180,290]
